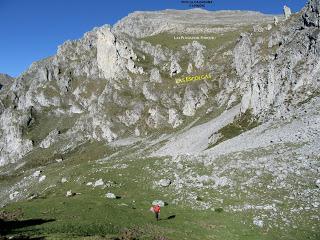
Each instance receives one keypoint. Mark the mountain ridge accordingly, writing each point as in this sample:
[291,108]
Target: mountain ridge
[247,139]
[86,58]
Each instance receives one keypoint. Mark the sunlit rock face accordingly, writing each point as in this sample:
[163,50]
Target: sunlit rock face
[120,81]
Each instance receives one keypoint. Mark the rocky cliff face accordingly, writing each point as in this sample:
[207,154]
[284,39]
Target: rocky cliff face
[143,24]
[279,79]
[5,80]
[119,81]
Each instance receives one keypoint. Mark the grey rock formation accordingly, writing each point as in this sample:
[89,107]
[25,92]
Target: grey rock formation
[111,195]
[214,138]
[258,28]
[311,15]
[36,174]
[164,182]
[148,93]
[12,145]
[174,67]
[158,54]
[42,178]
[5,80]
[107,53]
[70,194]
[190,68]
[155,118]
[287,12]
[13,195]
[98,183]
[269,27]
[318,183]
[142,24]
[193,100]
[258,222]
[51,138]
[155,75]
[174,118]
[263,85]
[195,50]
[132,116]
[106,85]
[243,62]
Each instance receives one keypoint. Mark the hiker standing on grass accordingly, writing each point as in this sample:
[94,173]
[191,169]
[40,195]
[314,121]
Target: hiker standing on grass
[156,210]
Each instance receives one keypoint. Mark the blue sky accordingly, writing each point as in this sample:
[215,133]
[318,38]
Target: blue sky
[32,29]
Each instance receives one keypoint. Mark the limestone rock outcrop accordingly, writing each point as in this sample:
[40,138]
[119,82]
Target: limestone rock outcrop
[121,80]
[311,13]
[281,81]
[5,80]
[287,12]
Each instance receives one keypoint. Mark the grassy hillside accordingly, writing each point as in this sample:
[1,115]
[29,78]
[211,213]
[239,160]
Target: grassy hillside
[90,215]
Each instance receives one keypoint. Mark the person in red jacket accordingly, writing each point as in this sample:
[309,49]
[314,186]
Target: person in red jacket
[156,210]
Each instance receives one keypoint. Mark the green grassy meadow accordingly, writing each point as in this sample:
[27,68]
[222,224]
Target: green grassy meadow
[90,215]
